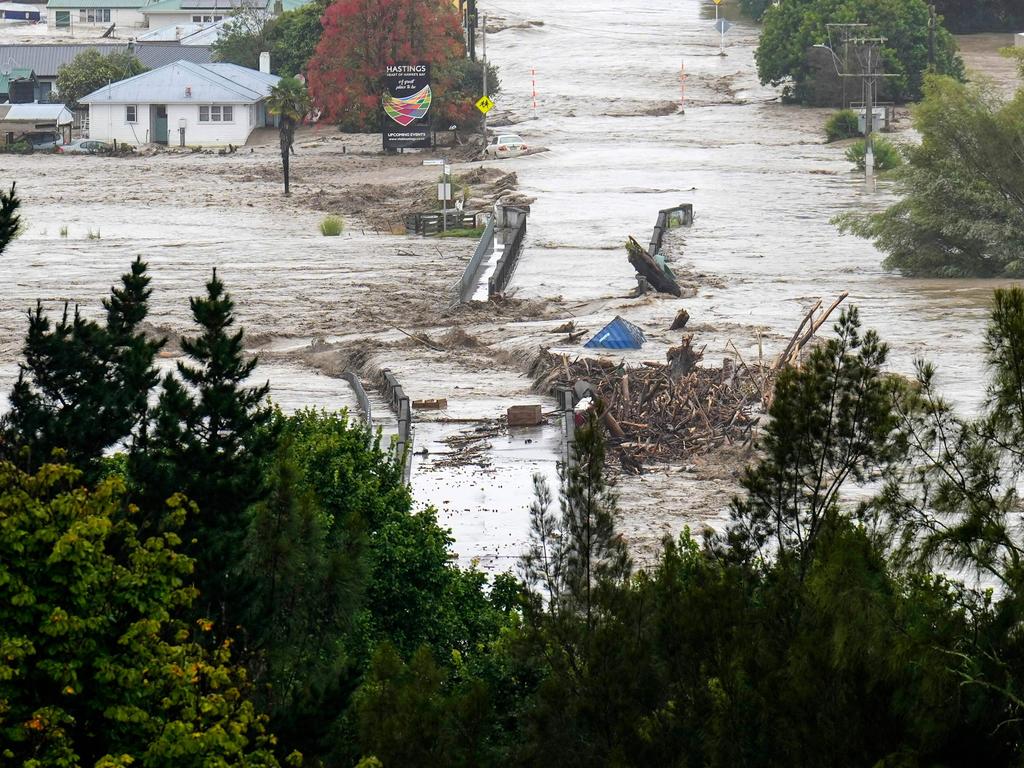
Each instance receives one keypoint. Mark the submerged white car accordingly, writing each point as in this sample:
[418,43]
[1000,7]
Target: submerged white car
[506,145]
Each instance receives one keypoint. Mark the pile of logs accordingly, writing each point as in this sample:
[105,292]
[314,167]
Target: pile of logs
[663,413]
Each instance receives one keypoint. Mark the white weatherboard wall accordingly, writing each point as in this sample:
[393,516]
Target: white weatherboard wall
[121,17]
[208,134]
[157,20]
[107,123]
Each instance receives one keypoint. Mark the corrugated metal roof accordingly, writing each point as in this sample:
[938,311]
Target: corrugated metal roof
[207,84]
[46,59]
[618,334]
[186,34]
[156,55]
[35,113]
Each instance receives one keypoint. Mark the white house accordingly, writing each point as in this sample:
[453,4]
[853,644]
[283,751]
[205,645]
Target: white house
[182,104]
[175,12]
[93,16]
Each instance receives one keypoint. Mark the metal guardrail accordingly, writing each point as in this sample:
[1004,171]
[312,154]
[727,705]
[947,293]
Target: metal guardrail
[433,222]
[514,219]
[669,218]
[361,397]
[402,407]
[468,283]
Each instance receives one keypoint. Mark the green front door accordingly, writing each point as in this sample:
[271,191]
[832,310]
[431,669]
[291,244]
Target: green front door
[160,125]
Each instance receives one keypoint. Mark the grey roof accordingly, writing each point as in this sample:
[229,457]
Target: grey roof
[46,59]
[35,113]
[155,55]
[186,83]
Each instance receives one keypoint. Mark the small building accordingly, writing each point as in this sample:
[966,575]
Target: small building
[16,120]
[46,59]
[182,103]
[20,12]
[95,16]
[18,86]
[174,12]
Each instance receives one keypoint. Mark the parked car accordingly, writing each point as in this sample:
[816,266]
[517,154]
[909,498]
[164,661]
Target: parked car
[43,141]
[83,146]
[507,145]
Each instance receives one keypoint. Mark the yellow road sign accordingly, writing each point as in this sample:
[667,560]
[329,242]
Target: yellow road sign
[485,105]
[718,2]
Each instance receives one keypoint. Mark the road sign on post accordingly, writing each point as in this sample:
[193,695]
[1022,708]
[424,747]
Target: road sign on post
[484,104]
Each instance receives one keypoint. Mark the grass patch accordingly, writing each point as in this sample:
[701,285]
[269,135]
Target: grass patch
[842,125]
[887,156]
[63,230]
[478,232]
[331,226]
[94,235]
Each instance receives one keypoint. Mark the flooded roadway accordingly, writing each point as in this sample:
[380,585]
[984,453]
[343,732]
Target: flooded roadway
[763,185]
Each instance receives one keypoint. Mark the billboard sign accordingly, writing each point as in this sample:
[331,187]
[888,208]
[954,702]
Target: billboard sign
[405,120]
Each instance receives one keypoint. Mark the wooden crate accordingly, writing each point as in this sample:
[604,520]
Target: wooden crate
[524,416]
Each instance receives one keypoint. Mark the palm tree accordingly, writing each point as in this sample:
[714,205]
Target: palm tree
[290,102]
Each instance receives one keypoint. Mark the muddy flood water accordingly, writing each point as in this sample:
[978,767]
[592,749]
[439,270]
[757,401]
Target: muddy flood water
[762,250]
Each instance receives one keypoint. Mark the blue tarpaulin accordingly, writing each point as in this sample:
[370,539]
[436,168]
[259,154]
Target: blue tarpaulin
[618,334]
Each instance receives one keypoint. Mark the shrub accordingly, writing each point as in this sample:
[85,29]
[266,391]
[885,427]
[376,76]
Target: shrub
[331,226]
[842,125]
[887,156]
[63,230]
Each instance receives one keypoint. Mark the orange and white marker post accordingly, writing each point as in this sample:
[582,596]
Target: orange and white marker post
[682,87]
[533,83]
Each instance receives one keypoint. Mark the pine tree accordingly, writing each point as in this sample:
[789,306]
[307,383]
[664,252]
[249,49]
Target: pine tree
[9,220]
[83,387]
[571,556]
[211,438]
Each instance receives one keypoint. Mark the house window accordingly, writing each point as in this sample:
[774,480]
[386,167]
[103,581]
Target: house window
[131,113]
[217,114]
[198,19]
[94,15]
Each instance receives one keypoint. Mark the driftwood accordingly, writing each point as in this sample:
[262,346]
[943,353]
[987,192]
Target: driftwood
[805,332]
[684,358]
[682,318]
[652,414]
[649,269]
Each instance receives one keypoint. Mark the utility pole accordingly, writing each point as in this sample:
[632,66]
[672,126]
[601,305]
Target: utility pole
[483,39]
[471,29]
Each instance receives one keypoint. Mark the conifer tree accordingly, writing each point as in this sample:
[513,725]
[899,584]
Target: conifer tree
[83,387]
[570,556]
[9,220]
[211,437]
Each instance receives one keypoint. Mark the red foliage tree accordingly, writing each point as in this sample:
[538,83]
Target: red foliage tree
[361,37]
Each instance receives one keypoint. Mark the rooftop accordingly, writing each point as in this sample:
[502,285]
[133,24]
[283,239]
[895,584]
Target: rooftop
[208,6]
[46,59]
[186,83]
[37,113]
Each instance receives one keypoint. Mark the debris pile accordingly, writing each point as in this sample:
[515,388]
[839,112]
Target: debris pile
[663,413]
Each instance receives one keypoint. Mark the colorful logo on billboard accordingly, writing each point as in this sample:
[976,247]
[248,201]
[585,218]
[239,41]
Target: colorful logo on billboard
[404,110]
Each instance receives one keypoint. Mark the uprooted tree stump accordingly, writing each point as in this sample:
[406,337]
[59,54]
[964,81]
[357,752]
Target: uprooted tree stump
[684,358]
[682,318]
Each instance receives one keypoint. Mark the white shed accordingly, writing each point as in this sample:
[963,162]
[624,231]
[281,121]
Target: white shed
[182,103]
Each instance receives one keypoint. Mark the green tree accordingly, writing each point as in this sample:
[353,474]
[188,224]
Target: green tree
[83,387]
[833,421]
[791,29]
[93,668]
[570,556]
[211,437]
[91,70]
[244,37]
[961,207]
[9,219]
[289,102]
